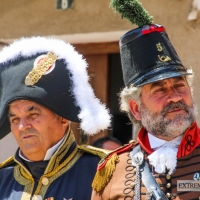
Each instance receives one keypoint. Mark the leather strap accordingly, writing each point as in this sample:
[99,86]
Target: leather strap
[148,178]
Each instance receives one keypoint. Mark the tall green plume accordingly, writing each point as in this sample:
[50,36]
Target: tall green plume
[133,11]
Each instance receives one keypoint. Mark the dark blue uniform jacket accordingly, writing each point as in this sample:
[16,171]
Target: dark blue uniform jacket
[68,175]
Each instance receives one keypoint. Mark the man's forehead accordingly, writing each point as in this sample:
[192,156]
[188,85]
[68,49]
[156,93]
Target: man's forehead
[23,101]
[162,82]
[26,105]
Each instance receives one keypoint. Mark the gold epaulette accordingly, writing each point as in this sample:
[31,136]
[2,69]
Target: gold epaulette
[94,150]
[7,162]
[107,166]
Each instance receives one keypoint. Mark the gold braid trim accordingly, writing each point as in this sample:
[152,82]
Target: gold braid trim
[22,176]
[6,162]
[103,175]
[63,149]
[24,179]
[93,150]
[65,166]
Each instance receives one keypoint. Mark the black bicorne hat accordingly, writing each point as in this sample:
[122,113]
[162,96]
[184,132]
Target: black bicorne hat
[147,55]
[51,73]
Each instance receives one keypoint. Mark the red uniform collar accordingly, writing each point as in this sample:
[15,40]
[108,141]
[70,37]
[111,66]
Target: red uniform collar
[191,139]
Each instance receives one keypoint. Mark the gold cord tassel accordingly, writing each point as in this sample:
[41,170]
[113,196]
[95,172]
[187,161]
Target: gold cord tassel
[103,175]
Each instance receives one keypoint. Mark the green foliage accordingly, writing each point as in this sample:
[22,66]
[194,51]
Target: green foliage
[133,11]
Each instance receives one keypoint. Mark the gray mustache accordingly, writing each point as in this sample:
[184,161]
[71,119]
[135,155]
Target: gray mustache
[171,106]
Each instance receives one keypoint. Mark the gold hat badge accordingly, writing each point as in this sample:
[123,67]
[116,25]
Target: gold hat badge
[162,58]
[36,73]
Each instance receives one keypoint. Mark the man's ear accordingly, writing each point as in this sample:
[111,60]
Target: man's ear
[134,108]
[64,121]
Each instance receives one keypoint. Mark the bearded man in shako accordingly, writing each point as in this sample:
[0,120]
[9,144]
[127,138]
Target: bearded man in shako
[158,97]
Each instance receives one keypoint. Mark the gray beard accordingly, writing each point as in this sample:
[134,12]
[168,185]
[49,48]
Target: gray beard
[158,125]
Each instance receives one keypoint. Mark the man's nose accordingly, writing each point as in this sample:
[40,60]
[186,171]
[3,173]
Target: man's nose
[24,124]
[173,95]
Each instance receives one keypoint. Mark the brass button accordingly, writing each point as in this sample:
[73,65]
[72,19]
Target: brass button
[168,195]
[168,177]
[37,197]
[45,181]
[168,185]
[132,184]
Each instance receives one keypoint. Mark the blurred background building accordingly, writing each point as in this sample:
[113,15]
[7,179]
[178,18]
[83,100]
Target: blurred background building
[94,29]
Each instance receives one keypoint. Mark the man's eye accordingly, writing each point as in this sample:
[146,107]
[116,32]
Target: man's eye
[160,90]
[14,120]
[34,116]
[179,86]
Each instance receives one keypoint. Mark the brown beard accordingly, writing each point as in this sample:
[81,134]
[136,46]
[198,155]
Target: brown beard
[158,125]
